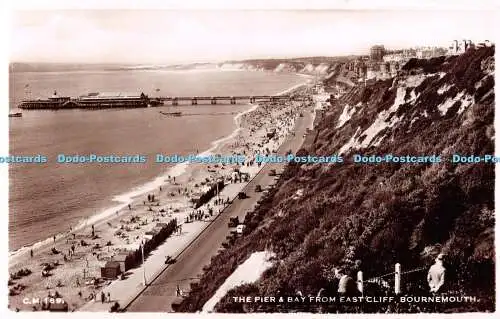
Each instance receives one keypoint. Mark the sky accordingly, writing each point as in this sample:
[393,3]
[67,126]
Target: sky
[182,36]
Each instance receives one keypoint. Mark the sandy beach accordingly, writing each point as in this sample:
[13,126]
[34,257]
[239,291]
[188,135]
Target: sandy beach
[73,260]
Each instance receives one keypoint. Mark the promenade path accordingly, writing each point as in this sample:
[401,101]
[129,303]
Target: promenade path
[160,294]
[192,249]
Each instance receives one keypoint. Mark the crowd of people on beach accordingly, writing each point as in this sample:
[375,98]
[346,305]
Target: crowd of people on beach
[85,250]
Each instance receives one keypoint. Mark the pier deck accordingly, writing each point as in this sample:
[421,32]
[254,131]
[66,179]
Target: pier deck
[232,99]
[144,101]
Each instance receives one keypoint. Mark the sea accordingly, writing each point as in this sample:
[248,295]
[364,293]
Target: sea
[47,199]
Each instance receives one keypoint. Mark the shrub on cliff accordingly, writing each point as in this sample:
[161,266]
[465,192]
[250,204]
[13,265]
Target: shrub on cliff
[386,213]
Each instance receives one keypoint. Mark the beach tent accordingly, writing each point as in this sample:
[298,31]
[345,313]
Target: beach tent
[111,270]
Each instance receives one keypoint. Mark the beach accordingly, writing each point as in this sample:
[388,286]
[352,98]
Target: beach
[77,256]
[47,199]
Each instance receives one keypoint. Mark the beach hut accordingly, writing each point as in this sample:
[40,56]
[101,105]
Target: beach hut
[125,259]
[111,270]
[161,225]
[207,193]
[151,233]
[158,229]
[196,199]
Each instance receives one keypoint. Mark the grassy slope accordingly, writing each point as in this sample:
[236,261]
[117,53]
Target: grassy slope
[381,214]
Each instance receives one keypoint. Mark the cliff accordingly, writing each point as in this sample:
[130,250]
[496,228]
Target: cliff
[312,66]
[369,217]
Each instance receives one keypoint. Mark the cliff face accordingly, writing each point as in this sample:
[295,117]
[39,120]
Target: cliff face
[321,66]
[370,217]
[279,66]
[272,65]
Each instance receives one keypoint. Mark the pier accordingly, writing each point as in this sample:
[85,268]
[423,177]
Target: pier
[195,100]
[97,101]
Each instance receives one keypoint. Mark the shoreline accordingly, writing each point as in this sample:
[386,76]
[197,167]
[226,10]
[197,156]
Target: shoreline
[293,139]
[184,174]
[122,200]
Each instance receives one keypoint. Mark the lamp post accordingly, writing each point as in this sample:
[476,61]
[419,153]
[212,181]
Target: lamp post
[217,179]
[397,279]
[143,264]
[217,186]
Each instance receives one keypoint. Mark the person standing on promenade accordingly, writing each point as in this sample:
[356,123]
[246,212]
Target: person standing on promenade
[102,296]
[435,276]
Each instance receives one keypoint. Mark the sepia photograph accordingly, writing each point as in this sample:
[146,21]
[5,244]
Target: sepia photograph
[251,161]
